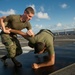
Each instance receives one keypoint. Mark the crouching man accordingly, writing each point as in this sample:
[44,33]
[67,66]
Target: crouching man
[41,42]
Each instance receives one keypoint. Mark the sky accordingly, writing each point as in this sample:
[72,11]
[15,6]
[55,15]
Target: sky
[49,14]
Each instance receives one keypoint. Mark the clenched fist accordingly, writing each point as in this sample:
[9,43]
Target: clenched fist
[35,66]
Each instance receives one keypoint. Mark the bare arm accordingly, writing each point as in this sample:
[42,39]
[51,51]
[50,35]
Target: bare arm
[3,25]
[29,33]
[50,62]
[18,32]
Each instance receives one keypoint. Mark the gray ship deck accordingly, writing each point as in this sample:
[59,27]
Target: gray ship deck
[65,56]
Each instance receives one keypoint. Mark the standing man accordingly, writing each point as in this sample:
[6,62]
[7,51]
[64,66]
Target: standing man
[42,42]
[17,22]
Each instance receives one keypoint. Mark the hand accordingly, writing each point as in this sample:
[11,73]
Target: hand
[30,33]
[7,30]
[35,66]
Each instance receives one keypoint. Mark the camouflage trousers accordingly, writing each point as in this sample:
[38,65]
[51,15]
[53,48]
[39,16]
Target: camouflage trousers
[12,45]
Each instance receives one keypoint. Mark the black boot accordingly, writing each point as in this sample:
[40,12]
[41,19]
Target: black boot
[3,59]
[16,63]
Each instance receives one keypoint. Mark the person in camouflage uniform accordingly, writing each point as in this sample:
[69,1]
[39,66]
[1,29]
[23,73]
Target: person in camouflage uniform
[12,44]
[41,42]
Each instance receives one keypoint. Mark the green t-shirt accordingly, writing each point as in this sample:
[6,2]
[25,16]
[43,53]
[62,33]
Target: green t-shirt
[45,37]
[14,22]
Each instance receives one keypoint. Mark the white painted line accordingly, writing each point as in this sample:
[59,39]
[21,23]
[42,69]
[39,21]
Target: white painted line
[26,49]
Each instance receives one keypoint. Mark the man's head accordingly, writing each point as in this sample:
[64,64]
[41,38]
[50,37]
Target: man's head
[29,10]
[28,14]
[39,47]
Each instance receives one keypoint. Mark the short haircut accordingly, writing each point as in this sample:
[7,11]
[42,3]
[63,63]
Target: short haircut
[39,46]
[29,10]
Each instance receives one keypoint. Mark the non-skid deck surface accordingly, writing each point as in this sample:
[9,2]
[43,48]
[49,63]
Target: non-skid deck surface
[65,56]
